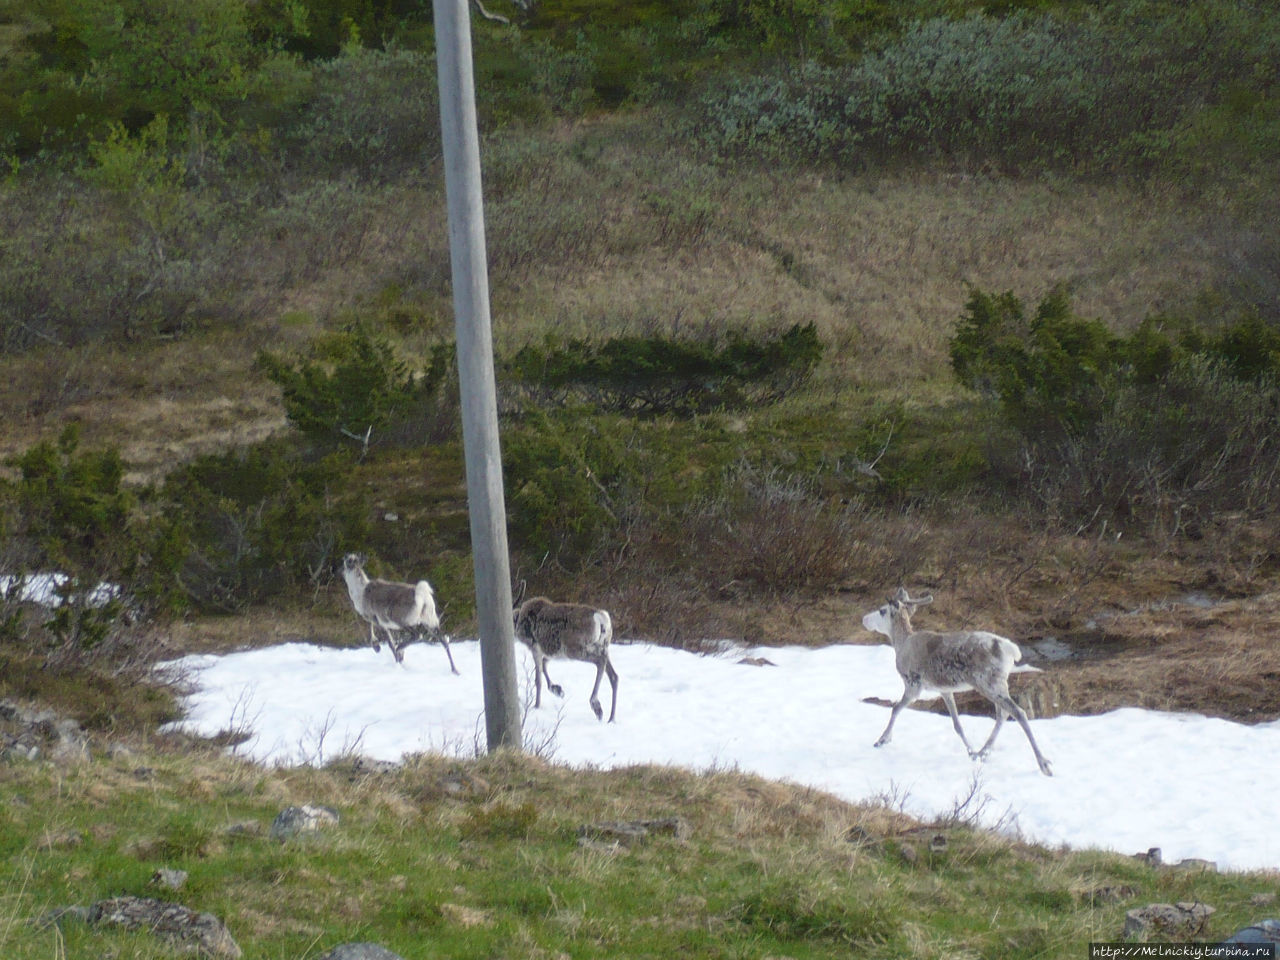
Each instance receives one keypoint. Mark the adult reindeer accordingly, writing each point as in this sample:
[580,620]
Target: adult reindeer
[949,662]
[572,631]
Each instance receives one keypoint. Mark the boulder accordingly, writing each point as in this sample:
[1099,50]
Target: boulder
[305,819]
[183,928]
[360,951]
[1169,920]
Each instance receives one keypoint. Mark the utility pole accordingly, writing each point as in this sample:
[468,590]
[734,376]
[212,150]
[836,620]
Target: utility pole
[487,507]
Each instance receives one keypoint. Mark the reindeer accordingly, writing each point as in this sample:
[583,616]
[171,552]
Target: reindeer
[570,630]
[393,607]
[948,662]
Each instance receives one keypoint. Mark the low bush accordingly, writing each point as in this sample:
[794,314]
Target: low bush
[658,375]
[81,563]
[1024,91]
[259,522]
[1171,423]
[354,391]
[373,114]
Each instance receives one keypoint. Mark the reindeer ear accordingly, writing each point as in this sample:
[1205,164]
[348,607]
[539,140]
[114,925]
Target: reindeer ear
[901,595]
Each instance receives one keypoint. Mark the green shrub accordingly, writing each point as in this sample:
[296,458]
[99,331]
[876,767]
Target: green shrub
[70,519]
[373,114]
[1049,371]
[1027,90]
[1170,423]
[562,473]
[354,390]
[259,522]
[1168,456]
[657,374]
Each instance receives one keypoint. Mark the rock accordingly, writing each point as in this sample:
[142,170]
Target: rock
[170,879]
[360,951]
[1262,899]
[1266,931]
[306,819]
[1152,857]
[1181,919]
[244,828]
[189,931]
[634,831]
[757,662]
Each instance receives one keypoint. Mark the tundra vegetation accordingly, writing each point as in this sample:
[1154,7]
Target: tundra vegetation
[792,299]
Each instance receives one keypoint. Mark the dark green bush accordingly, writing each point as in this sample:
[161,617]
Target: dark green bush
[354,390]
[70,521]
[658,374]
[1172,422]
[564,474]
[1168,456]
[1048,371]
[259,522]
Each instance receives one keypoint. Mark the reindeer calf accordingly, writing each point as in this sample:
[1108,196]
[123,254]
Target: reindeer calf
[573,631]
[393,607]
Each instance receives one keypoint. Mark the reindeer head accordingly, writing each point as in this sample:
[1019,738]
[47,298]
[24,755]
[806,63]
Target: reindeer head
[899,607]
[353,561]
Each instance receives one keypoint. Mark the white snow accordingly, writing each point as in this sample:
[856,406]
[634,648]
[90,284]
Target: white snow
[1125,781]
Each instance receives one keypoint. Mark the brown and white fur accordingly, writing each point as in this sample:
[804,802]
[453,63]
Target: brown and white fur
[947,663]
[393,607]
[573,631]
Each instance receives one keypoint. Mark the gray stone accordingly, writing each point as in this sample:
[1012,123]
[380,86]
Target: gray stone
[171,879]
[1152,857]
[1265,931]
[1181,919]
[360,951]
[183,928]
[634,831]
[305,819]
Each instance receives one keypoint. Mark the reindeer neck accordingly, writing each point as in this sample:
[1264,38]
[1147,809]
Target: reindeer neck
[900,627]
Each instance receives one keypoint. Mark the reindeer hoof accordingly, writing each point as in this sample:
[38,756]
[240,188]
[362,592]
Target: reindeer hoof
[1045,768]
[880,743]
[377,648]
[598,711]
[558,690]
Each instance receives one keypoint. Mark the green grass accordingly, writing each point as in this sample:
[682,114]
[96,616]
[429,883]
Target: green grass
[496,870]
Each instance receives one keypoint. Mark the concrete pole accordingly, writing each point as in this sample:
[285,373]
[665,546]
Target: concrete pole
[487,507]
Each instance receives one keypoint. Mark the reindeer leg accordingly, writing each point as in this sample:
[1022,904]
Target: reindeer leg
[950,701]
[1008,704]
[595,692]
[553,687]
[373,638]
[397,648]
[909,694]
[613,681]
[444,639]
[539,667]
